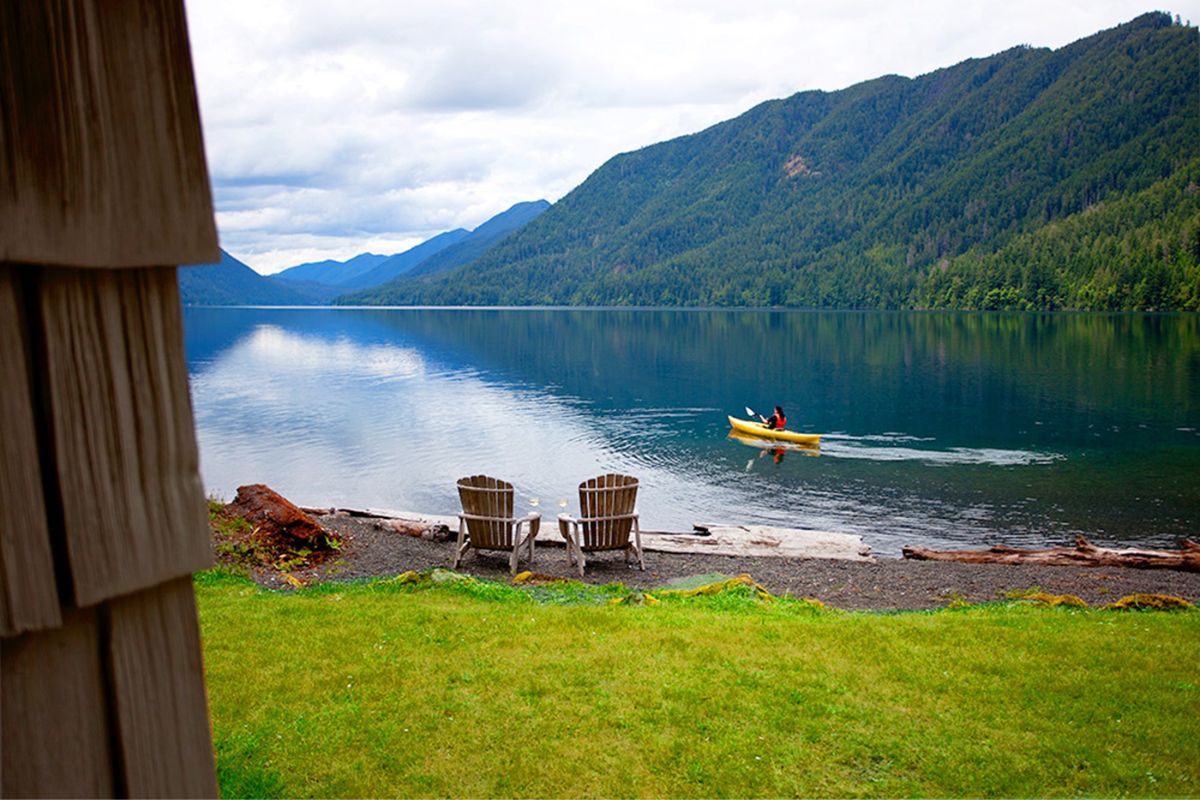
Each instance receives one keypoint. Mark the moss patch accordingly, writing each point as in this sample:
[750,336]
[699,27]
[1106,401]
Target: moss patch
[1142,602]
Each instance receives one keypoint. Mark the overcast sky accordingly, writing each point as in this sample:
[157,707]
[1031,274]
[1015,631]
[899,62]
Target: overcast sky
[336,128]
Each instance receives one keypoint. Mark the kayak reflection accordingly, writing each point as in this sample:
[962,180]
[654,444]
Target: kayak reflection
[777,450]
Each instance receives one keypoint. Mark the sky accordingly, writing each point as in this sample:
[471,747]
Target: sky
[337,128]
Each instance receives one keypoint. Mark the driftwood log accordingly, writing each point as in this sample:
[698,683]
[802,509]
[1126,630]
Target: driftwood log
[275,517]
[416,529]
[1083,554]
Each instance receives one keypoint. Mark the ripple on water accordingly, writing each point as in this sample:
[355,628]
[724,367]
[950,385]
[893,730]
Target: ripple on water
[864,447]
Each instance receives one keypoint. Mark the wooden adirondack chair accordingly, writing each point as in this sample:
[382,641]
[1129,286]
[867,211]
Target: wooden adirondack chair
[607,514]
[487,521]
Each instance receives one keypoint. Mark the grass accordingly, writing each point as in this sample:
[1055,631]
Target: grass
[480,689]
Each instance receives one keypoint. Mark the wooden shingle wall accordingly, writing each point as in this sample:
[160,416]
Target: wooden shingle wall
[103,160]
[103,189]
[28,597]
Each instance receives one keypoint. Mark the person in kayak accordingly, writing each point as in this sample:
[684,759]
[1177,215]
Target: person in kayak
[777,421]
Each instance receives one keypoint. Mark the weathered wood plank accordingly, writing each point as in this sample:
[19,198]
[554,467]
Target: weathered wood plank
[124,445]
[161,710]
[100,136]
[28,593]
[53,715]
[761,540]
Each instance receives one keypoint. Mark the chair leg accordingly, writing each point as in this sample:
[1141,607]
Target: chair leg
[574,549]
[514,557]
[637,532]
[564,528]
[534,526]
[461,545]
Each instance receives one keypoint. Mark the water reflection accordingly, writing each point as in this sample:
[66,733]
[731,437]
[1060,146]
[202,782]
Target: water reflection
[777,449]
[938,428]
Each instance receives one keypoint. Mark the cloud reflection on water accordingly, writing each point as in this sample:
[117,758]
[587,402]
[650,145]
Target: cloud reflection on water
[1018,431]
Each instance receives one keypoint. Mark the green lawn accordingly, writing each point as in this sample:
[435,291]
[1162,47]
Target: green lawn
[476,689]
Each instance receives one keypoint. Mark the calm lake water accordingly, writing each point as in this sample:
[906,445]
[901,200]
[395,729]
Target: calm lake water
[950,429]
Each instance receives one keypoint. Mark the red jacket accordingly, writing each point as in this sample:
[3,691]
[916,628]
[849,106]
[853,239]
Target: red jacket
[777,421]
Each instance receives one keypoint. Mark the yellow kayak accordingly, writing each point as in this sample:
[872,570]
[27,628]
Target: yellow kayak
[758,429]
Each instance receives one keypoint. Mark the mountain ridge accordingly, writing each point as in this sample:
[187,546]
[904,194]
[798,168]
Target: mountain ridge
[483,237]
[459,253]
[329,271]
[401,263]
[875,195]
[232,282]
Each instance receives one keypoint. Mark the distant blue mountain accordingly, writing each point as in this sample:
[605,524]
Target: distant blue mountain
[468,248]
[332,272]
[482,238]
[231,282]
[391,268]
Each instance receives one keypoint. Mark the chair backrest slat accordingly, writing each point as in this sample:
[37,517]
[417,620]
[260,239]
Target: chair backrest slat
[485,496]
[606,505]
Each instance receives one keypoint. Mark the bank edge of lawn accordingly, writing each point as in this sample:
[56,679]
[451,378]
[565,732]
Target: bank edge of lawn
[478,689]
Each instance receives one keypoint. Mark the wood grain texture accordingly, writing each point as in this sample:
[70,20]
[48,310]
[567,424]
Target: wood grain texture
[487,504]
[1083,554]
[53,713]
[606,509]
[101,152]
[28,591]
[124,445]
[160,705]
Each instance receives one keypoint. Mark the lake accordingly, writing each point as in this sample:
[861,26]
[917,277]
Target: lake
[940,429]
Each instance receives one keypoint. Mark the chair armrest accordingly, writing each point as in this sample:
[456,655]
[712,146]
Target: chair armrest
[565,523]
[462,515]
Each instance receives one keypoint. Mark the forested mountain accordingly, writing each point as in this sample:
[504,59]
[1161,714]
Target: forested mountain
[482,238]
[1032,178]
[231,282]
[468,248]
[399,264]
[330,271]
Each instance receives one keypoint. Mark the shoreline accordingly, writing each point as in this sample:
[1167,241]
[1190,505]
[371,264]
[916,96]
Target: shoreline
[372,549]
[710,538]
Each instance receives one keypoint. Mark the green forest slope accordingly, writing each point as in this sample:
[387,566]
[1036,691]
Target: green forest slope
[1029,179]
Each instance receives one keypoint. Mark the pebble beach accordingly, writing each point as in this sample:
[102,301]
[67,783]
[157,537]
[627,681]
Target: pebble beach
[373,550]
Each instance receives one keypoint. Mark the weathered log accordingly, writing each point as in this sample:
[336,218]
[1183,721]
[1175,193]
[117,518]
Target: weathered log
[1083,554]
[757,541]
[274,516]
[416,529]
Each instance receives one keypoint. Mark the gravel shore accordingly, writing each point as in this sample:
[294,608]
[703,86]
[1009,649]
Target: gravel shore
[886,584]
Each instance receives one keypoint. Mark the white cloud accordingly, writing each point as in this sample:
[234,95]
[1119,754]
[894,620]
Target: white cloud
[333,128]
